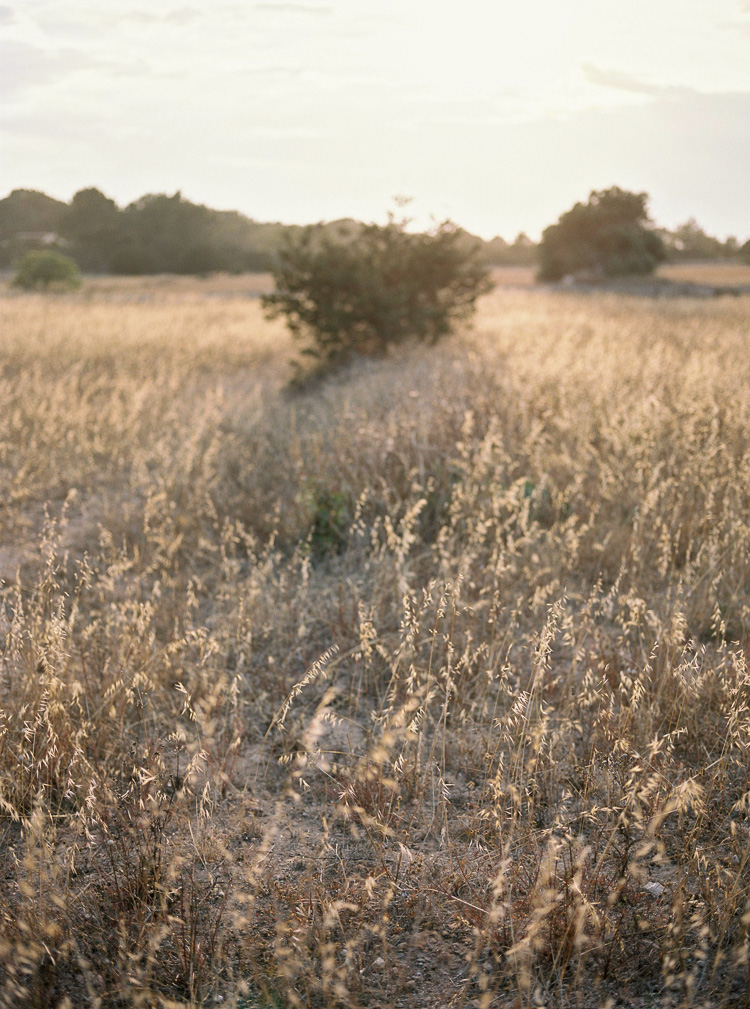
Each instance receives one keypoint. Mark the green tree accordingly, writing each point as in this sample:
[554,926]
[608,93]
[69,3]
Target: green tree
[744,253]
[93,224]
[28,210]
[607,237]
[168,234]
[364,287]
[28,220]
[41,270]
[163,235]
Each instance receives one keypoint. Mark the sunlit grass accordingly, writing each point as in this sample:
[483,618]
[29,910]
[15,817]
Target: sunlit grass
[424,685]
[720,274]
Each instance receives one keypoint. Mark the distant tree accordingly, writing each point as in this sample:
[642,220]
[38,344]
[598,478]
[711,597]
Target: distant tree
[94,227]
[523,252]
[364,289]
[26,210]
[695,242]
[689,242]
[606,237]
[161,235]
[744,253]
[41,270]
[498,252]
[495,251]
[168,234]
[28,220]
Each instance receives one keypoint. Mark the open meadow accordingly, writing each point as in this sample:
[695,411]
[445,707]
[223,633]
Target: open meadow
[422,685]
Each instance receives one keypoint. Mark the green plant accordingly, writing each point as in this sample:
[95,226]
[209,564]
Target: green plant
[40,270]
[375,286]
[606,237]
[331,519]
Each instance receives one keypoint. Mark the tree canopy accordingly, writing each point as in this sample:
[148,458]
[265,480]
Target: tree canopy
[91,224]
[609,236]
[26,210]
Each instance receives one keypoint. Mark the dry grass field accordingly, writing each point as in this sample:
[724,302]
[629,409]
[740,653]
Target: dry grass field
[726,274]
[426,685]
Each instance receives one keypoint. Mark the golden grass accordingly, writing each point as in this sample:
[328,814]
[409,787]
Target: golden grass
[727,274]
[424,686]
[513,276]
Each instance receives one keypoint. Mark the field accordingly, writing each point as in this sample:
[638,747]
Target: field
[722,274]
[425,685]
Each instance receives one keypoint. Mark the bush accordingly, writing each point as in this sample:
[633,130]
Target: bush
[41,270]
[606,237]
[372,286]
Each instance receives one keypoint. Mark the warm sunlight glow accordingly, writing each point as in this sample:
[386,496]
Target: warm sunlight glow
[374,595]
[497,113]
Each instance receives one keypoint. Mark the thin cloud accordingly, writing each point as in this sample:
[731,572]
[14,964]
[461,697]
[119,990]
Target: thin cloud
[272,71]
[24,66]
[53,126]
[626,82]
[183,16]
[180,16]
[294,8]
[7,14]
[741,26]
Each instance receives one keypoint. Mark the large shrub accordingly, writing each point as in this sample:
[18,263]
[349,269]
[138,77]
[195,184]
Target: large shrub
[364,288]
[42,269]
[606,237]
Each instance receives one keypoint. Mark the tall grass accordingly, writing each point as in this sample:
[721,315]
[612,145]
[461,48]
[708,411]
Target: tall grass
[426,685]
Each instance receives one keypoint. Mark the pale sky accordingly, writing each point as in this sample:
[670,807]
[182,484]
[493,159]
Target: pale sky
[497,114]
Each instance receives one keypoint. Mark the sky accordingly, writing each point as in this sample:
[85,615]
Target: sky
[497,114]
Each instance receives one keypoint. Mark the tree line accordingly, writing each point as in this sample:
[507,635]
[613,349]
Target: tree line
[159,233]
[609,235]
[154,234]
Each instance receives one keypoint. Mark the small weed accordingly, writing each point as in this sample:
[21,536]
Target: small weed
[331,520]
